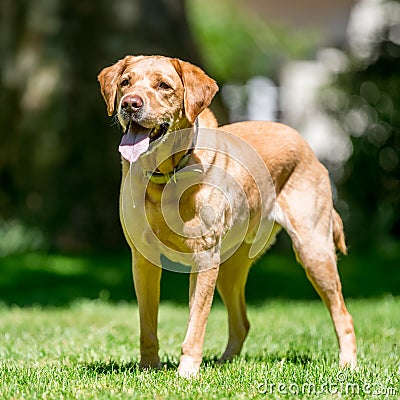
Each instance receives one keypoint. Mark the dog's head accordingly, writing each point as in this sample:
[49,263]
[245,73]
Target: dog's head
[153,95]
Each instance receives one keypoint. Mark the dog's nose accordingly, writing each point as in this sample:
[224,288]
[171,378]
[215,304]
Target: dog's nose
[132,103]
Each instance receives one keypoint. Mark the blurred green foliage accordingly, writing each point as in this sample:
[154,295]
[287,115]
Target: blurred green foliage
[237,44]
[368,108]
[16,238]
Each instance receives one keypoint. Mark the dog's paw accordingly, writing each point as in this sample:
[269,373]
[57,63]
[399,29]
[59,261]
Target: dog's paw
[348,360]
[188,367]
[147,363]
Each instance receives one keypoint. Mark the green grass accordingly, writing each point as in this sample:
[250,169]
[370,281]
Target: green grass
[69,329]
[89,350]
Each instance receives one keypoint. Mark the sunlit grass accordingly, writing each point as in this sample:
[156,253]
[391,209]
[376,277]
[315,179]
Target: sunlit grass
[69,329]
[89,350]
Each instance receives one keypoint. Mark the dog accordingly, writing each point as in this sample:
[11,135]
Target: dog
[154,98]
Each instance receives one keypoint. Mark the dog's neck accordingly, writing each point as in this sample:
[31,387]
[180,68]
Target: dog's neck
[172,163]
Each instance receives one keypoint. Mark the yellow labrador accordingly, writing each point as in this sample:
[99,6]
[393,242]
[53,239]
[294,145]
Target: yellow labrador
[170,139]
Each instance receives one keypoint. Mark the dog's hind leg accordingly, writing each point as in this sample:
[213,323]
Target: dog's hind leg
[322,272]
[231,287]
[323,275]
[308,220]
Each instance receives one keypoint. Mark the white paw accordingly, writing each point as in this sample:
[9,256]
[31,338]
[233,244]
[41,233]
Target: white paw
[348,361]
[188,367]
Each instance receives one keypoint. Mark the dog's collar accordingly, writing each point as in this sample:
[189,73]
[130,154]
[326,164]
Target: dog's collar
[176,174]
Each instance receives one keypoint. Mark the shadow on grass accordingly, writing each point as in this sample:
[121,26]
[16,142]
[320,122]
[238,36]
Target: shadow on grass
[291,356]
[58,280]
[114,367]
[111,367]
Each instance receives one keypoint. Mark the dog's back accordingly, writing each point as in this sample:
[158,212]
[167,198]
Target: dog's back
[282,148]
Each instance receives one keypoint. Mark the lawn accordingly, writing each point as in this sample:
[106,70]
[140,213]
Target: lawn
[69,329]
[89,350]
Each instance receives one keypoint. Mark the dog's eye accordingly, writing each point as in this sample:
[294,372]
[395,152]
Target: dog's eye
[124,82]
[164,86]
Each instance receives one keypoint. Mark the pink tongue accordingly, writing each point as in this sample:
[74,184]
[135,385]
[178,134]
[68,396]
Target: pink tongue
[133,145]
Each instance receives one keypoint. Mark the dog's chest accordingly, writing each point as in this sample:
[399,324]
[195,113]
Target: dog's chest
[185,218]
[177,222]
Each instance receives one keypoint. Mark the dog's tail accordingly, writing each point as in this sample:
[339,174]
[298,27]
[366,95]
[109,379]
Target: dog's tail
[338,233]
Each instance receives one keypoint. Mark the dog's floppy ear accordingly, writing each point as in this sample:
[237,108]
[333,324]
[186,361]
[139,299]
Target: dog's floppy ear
[108,79]
[199,88]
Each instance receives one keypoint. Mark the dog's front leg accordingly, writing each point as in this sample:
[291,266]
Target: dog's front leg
[147,277]
[202,287]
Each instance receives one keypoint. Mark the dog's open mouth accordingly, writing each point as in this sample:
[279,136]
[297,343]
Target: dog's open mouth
[137,139]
